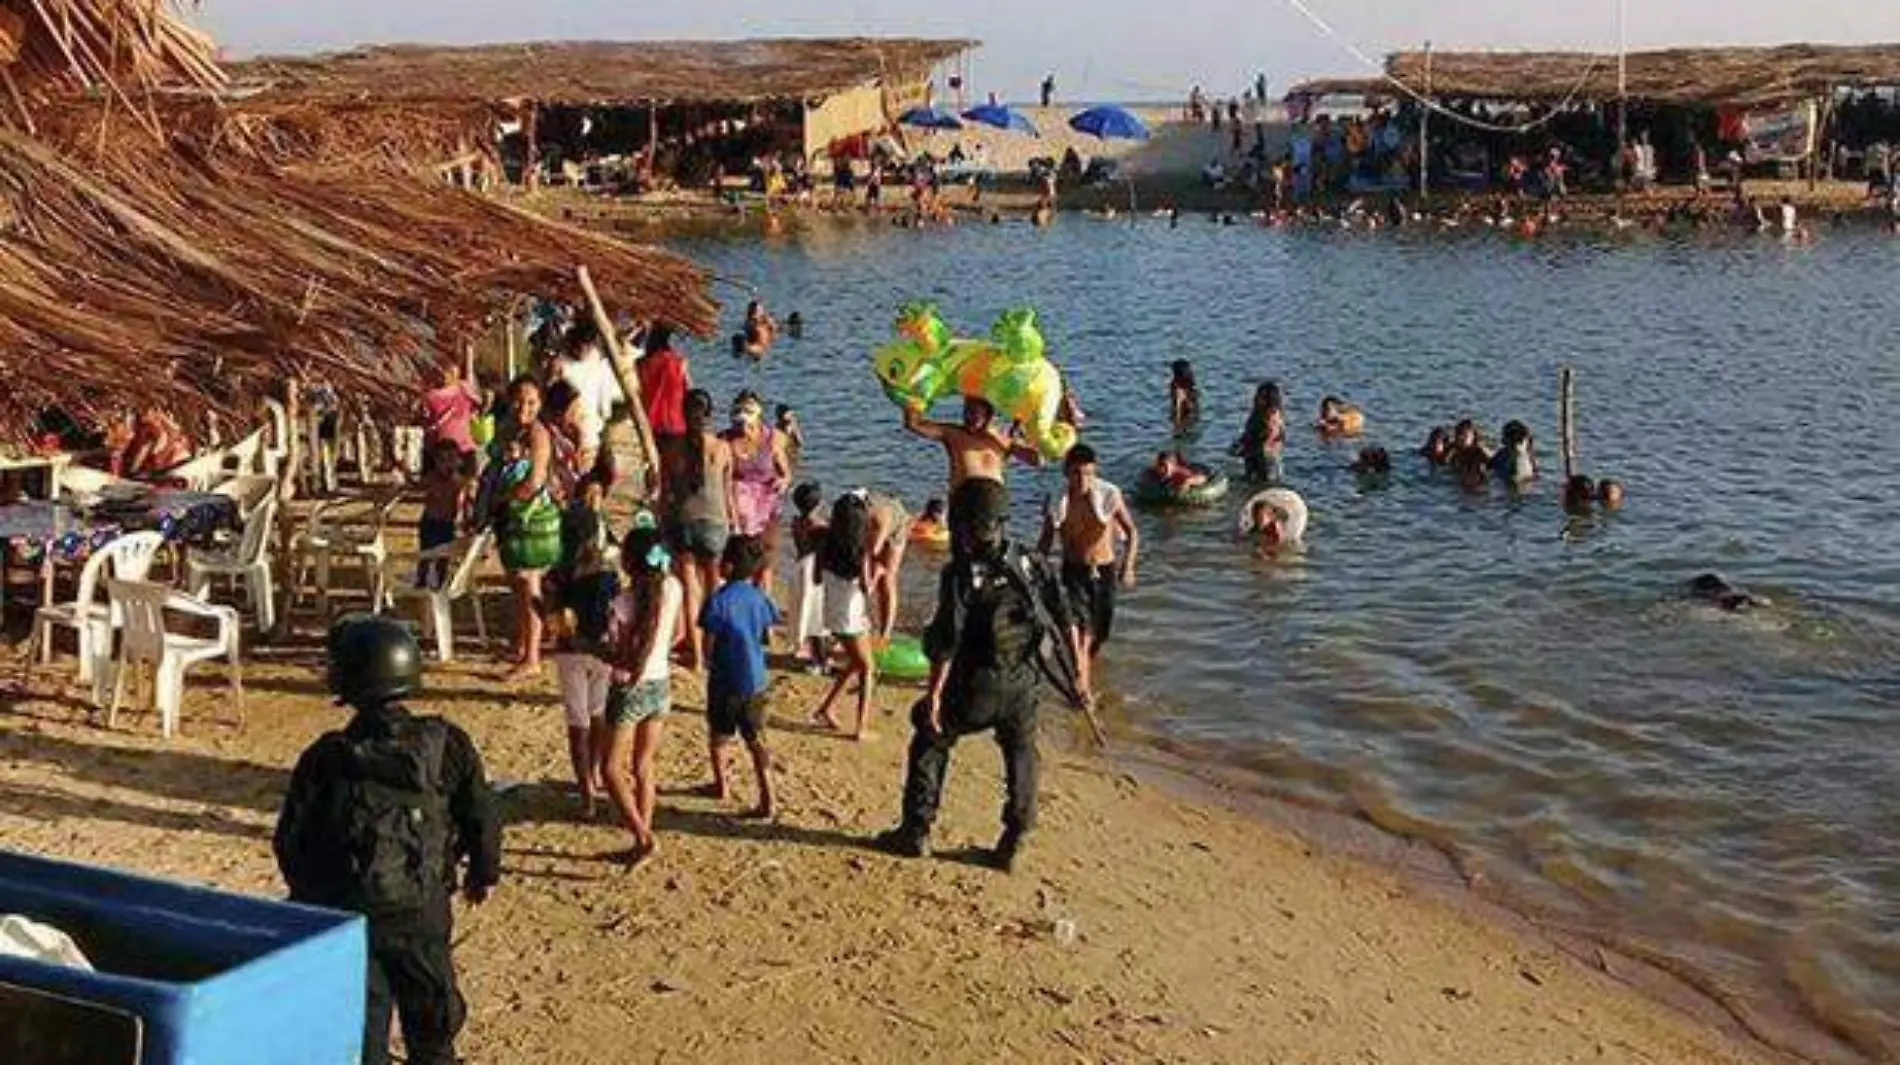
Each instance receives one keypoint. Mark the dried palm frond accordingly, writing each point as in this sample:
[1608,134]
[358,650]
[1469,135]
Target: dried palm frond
[173,275]
[125,48]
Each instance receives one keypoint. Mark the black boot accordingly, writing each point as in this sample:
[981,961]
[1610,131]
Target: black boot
[1003,858]
[904,841]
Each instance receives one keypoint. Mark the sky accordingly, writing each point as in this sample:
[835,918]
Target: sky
[1129,50]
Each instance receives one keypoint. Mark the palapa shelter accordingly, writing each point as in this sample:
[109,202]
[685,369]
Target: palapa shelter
[1712,77]
[150,256]
[817,92]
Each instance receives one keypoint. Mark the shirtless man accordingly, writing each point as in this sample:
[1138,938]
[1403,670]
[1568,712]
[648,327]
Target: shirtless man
[1089,517]
[977,451]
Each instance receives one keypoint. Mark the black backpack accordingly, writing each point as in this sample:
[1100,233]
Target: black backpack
[387,820]
[1018,620]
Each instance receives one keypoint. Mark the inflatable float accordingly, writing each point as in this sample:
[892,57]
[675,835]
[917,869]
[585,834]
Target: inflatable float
[936,537]
[1009,370]
[1290,507]
[1151,492]
[903,658]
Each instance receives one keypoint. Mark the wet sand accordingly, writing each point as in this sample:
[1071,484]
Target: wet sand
[1200,934]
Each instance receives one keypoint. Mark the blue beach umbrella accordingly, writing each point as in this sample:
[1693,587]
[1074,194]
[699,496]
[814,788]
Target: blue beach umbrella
[1110,124]
[929,118]
[1001,117]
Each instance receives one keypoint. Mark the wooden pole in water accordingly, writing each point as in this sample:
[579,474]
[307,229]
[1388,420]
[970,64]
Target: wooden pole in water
[624,373]
[1567,419]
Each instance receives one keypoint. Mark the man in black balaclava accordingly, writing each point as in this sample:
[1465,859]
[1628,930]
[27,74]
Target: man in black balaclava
[996,638]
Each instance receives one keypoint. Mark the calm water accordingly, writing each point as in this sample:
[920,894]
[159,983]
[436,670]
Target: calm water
[1527,693]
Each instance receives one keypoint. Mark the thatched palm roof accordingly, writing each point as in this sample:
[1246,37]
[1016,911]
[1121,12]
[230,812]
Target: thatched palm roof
[597,72]
[1342,87]
[161,275]
[156,254]
[1714,76]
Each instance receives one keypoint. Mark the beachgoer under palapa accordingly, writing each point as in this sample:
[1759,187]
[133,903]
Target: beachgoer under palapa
[378,818]
[1089,517]
[998,635]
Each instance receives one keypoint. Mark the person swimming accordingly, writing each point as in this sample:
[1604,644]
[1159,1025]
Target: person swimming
[1580,495]
[1437,449]
[1171,470]
[1338,418]
[1372,462]
[1273,521]
[760,332]
[1263,438]
[795,325]
[1184,397]
[1514,463]
[1610,494]
[931,527]
[1713,589]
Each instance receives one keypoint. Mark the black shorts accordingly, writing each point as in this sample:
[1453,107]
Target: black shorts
[1091,592]
[730,715]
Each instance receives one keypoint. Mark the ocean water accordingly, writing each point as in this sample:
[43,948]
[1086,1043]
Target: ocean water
[1530,693]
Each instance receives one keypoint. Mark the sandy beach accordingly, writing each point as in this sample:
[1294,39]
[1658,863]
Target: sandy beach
[1144,927]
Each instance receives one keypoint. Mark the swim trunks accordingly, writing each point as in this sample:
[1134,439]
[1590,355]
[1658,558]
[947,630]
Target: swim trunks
[1091,592]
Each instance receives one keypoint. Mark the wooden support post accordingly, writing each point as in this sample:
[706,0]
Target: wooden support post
[531,159]
[1567,419]
[629,379]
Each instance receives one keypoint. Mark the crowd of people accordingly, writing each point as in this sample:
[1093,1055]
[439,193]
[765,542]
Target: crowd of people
[691,584]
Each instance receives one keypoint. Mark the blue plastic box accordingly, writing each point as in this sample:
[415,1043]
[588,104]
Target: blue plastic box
[186,975]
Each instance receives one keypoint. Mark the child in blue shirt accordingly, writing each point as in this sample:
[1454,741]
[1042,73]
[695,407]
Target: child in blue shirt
[738,620]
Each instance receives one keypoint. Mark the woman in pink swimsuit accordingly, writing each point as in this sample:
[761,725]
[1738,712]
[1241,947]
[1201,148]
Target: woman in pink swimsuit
[761,472]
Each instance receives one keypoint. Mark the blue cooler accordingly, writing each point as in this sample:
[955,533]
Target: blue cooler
[186,975]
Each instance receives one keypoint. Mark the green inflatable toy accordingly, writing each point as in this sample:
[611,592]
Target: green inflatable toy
[1010,370]
[903,658]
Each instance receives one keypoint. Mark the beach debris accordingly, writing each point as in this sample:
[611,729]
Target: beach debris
[667,985]
[1531,978]
[1456,994]
[892,1011]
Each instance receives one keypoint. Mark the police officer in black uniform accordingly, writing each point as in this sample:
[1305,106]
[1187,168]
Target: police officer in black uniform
[379,817]
[996,638]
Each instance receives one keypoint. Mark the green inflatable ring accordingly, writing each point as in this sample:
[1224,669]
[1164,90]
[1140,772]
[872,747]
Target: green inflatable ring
[1150,492]
[903,658]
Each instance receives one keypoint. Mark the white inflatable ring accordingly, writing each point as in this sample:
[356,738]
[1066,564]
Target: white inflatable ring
[1291,508]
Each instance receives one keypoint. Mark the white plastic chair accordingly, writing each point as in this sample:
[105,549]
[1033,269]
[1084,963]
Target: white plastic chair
[270,461]
[144,642]
[129,559]
[248,562]
[242,458]
[325,543]
[464,557]
[247,491]
[198,474]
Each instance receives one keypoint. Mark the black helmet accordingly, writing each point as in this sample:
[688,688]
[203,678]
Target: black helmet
[979,510]
[373,660]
